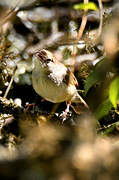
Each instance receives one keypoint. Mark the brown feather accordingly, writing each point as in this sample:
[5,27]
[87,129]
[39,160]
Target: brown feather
[70,78]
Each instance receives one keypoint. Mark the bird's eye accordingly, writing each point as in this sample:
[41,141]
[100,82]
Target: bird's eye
[49,60]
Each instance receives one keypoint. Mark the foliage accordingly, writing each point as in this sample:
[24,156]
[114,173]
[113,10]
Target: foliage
[95,76]
[103,109]
[114,91]
[86,6]
[98,75]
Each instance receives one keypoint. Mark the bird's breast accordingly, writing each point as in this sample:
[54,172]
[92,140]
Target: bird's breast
[49,90]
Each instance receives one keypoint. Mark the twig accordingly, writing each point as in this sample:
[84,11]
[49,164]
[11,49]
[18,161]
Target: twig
[101,17]
[83,23]
[107,127]
[8,16]
[9,86]
[79,35]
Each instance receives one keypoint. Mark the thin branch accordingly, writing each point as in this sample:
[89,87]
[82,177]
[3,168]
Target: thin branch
[9,14]
[9,86]
[83,23]
[101,17]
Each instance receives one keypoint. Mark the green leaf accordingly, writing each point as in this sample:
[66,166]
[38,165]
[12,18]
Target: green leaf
[86,6]
[97,75]
[103,109]
[114,91]
[94,77]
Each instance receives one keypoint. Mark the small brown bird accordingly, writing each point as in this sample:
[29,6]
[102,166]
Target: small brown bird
[53,81]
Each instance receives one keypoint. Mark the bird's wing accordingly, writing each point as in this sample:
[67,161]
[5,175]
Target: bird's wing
[70,78]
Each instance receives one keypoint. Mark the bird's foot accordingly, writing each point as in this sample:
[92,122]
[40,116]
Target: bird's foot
[64,114]
[29,106]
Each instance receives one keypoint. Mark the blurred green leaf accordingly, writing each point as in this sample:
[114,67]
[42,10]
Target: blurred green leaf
[114,91]
[103,109]
[97,75]
[86,6]
[94,77]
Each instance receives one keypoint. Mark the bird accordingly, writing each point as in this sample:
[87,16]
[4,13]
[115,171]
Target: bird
[53,81]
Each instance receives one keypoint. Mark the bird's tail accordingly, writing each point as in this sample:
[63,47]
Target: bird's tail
[78,104]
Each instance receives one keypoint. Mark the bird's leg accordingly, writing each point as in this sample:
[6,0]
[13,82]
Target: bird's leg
[43,100]
[29,106]
[64,114]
